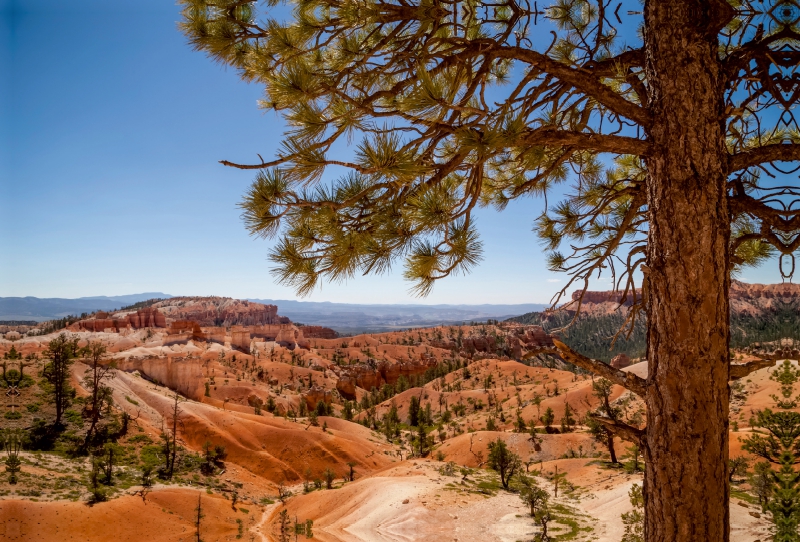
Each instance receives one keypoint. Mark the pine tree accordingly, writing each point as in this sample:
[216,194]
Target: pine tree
[169,439]
[61,352]
[329,477]
[11,440]
[779,443]
[547,419]
[568,420]
[532,495]
[667,137]
[634,520]
[94,381]
[601,388]
[413,411]
[503,460]
[285,534]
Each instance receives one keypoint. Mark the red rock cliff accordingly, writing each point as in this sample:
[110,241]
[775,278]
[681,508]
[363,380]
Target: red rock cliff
[220,311]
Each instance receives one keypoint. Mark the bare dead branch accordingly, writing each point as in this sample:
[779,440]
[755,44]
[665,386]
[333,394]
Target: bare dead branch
[627,380]
[622,430]
[744,369]
[478,455]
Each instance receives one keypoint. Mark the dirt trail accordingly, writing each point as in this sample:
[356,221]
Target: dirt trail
[408,502]
[411,501]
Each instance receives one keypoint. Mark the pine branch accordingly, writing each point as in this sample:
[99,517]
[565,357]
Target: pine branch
[582,80]
[776,152]
[577,141]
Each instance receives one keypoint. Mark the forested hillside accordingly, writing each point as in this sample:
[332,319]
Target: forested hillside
[592,334]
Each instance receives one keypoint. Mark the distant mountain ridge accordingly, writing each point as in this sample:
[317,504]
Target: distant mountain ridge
[351,318]
[40,309]
[346,318]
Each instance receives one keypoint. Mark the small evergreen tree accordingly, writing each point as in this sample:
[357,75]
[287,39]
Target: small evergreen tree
[778,441]
[100,395]
[601,389]
[108,457]
[737,466]
[213,458]
[635,453]
[503,460]
[634,520]
[12,442]
[98,493]
[761,482]
[284,529]
[413,411]
[547,419]
[423,441]
[532,495]
[520,426]
[61,352]
[329,477]
[543,517]
[568,420]
[347,411]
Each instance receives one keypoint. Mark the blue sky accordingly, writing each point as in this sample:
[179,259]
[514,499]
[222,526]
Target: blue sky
[111,129]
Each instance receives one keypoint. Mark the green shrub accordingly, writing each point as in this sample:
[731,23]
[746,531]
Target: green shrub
[73,416]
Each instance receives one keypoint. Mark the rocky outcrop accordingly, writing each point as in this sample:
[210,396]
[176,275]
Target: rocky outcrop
[220,311]
[744,298]
[315,395]
[185,376]
[391,372]
[511,340]
[361,376]
[535,336]
[755,298]
[480,344]
[143,318]
[368,376]
[22,329]
[605,297]
[147,317]
[287,335]
[318,332]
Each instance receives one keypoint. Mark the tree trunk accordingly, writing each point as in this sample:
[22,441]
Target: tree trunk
[611,451]
[95,410]
[686,487]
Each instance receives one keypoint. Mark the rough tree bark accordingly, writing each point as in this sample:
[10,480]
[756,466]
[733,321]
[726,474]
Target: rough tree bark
[686,484]
[611,451]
